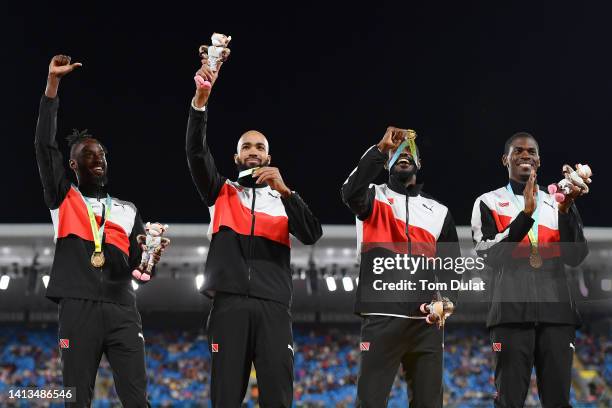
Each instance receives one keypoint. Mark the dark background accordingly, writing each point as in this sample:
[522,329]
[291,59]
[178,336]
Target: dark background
[322,81]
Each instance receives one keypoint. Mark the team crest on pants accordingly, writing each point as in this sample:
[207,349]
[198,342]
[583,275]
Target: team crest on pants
[497,347]
[64,343]
[215,347]
[364,346]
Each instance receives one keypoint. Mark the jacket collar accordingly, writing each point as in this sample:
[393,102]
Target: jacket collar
[518,187]
[99,192]
[249,182]
[397,186]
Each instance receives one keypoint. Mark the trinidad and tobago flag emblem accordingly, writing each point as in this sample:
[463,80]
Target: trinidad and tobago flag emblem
[497,347]
[64,343]
[215,347]
[364,346]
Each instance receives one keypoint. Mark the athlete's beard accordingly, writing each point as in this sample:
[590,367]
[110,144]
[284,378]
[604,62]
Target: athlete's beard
[241,166]
[88,181]
[404,175]
[101,181]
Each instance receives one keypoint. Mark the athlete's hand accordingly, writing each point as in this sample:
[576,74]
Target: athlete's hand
[392,139]
[569,199]
[58,67]
[529,193]
[272,177]
[205,73]
[431,317]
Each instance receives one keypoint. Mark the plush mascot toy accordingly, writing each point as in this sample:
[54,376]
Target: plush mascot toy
[213,54]
[438,311]
[579,178]
[151,244]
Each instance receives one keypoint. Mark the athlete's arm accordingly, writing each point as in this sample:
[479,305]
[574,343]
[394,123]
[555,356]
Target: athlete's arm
[202,166]
[48,156]
[302,223]
[448,244]
[574,246]
[355,191]
[491,244]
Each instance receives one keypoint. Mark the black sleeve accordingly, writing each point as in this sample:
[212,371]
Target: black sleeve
[135,249]
[204,173]
[448,248]
[48,156]
[302,223]
[491,244]
[574,246]
[355,191]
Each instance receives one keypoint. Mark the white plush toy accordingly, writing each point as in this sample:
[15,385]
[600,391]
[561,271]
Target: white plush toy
[579,178]
[215,53]
[151,244]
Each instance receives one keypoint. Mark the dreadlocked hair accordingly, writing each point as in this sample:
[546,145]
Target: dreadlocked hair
[77,136]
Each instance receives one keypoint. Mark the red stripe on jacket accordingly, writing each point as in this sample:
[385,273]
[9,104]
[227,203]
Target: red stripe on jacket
[383,227]
[231,213]
[546,237]
[73,219]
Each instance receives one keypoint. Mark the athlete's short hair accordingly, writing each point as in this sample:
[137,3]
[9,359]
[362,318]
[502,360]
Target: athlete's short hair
[519,135]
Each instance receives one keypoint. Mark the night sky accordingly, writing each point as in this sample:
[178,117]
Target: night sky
[322,82]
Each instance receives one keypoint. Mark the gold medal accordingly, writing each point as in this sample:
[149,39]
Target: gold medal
[97,259]
[535,259]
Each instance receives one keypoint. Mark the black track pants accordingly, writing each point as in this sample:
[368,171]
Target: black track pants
[244,331]
[520,347]
[87,329]
[387,342]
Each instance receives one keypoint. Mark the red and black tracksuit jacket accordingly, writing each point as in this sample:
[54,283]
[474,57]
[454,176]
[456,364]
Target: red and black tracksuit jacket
[249,226]
[394,219]
[519,292]
[72,275]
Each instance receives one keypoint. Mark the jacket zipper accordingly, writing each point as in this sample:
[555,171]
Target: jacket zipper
[102,238]
[251,237]
[408,227]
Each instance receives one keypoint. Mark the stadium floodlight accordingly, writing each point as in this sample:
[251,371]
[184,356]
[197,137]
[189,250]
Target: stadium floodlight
[606,285]
[45,279]
[199,279]
[4,282]
[331,283]
[202,250]
[347,282]
[134,285]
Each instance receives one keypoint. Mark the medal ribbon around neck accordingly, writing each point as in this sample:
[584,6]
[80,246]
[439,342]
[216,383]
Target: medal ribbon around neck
[98,233]
[533,232]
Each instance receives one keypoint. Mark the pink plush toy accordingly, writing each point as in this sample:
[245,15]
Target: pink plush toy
[213,54]
[579,178]
[151,243]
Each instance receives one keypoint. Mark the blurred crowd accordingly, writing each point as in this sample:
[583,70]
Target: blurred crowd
[326,369]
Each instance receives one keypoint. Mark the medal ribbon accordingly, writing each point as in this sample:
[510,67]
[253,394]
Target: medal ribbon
[533,232]
[98,233]
[409,141]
